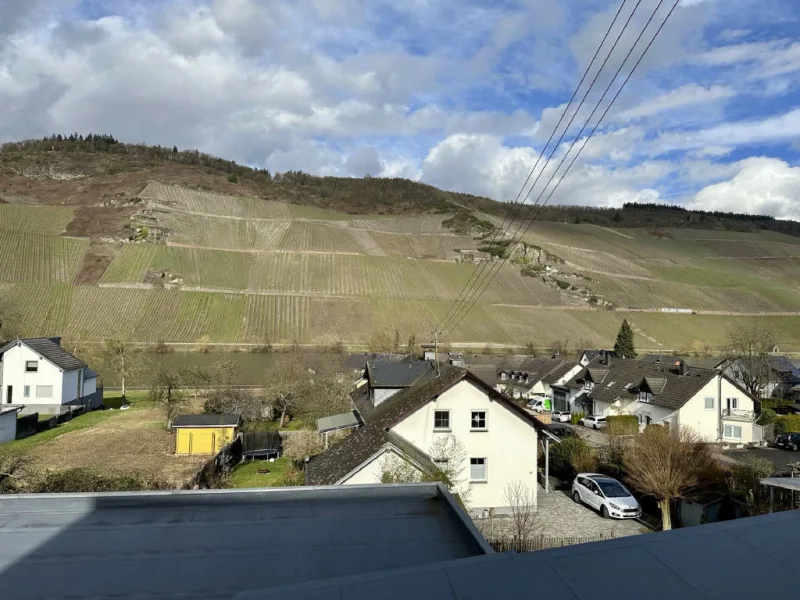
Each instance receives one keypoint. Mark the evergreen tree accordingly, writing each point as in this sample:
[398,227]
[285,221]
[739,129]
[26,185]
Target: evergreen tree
[624,347]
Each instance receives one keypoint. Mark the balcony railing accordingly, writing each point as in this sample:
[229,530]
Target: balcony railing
[738,415]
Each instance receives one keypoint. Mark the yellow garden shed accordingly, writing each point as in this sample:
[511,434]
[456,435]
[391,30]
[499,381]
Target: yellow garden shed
[204,434]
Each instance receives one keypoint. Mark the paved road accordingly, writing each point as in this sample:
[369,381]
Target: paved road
[596,438]
[780,458]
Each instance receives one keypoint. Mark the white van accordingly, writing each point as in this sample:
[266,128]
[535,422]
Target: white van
[541,404]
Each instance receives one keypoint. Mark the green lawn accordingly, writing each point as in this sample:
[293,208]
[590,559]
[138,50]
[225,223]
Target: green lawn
[88,420]
[136,398]
[247,476]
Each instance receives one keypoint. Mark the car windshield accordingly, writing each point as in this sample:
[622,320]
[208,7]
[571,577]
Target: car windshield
[612,489]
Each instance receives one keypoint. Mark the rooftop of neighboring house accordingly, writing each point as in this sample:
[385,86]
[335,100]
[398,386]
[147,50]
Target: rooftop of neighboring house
[396,374]
[515,369]
[626,378]
[597,353]
[702,362]
[358,362]
[344,457]
[205,421]
[223,543]
[49,349]
[559,372]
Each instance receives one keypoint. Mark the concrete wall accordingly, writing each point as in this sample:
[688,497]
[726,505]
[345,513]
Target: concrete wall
[8,426]
[509,443]
[14,374]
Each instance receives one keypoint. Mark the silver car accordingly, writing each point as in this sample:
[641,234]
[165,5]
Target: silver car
[605,494]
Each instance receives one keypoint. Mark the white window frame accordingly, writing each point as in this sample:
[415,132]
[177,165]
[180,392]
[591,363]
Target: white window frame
[26,391]
[733,402]
[485,427]
[731,429]
[713,403]
[485,465]
[435,427]
[31,366]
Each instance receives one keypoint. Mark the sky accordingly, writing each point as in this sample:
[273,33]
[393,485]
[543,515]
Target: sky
[461,94]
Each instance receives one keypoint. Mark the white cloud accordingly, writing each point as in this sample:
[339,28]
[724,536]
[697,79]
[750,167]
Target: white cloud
[686,95]
[764,186]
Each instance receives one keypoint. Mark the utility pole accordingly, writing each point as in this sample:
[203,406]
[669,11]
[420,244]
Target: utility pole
[436,350]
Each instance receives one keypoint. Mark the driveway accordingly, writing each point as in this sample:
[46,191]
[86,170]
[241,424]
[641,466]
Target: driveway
[561,517]
[780,458]
[595,438]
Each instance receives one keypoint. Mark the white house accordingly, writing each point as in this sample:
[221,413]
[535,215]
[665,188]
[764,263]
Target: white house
[779,374]
[500,437]
[705,400]
[38,375]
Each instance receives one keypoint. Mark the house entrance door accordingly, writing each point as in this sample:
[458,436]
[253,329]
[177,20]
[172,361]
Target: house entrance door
[9,394]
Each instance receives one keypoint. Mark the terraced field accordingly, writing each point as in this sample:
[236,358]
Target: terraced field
[247,270]
[38,219]
[27,257]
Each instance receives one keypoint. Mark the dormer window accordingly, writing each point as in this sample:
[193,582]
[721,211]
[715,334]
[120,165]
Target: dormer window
[503,376]
[588,385]
[645,396]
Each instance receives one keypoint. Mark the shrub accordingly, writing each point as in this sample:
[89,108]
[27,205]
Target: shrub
[573,455]
[86,480]
[532,270]
[562,284]
[301,444]
[622,425]
[292,478]
[767,417]
[787,424]
[575,417]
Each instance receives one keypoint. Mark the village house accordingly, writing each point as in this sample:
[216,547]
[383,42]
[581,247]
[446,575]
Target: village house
[780,374]
[38,375]
[575,394]
[385,378]
[518,376]
[498,436]
[705,400]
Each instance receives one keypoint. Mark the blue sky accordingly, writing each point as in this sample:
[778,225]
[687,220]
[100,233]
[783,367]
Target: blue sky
[459,94]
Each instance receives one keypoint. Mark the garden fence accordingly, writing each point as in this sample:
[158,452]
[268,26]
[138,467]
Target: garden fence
[542,542]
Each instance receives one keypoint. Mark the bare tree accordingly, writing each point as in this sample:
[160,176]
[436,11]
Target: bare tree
[750,345]
[286,380]
[522,502]
[324,391]
[302,444]
[195,377]
[667,465]
[123,359]
[165,391]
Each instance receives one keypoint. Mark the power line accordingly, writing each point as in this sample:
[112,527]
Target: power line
[479,270]
[594,129]
[475,286]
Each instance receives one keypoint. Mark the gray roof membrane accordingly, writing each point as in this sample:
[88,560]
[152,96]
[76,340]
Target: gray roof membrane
[704,562]
[217,544]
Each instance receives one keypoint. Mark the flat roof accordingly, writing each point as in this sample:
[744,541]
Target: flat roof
[346,420]
[205,421]
[694,563]
[786,483]
[219,543]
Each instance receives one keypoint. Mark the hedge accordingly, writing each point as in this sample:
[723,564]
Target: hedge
[787,424]
[622,425]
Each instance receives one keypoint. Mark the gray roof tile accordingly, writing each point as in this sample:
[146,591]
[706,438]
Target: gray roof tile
[50,350]
[396,374]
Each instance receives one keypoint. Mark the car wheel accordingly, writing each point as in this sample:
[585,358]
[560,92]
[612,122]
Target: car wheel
[595,427]
[577,497]
[604,512]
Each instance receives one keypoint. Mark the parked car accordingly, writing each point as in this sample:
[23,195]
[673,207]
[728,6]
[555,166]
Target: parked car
[560,430]
[593,422]
[540,404]
[605,494]
[788,441]
[561,416]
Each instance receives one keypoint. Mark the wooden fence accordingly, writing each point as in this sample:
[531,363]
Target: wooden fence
[542,542]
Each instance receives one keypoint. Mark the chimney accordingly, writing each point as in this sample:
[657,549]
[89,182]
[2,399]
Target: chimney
[429,352]
[682,368]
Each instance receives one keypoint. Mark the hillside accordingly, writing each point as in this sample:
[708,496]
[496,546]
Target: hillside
[98,237]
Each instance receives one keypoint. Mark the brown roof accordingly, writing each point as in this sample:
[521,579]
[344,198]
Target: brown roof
[346,456]
[670,389]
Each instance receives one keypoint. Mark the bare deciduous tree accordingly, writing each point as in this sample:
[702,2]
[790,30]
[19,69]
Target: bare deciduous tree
[165,391]
[750,345]
[301,445]
[123,359]
[667,465]
[522,502]
[285,380]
